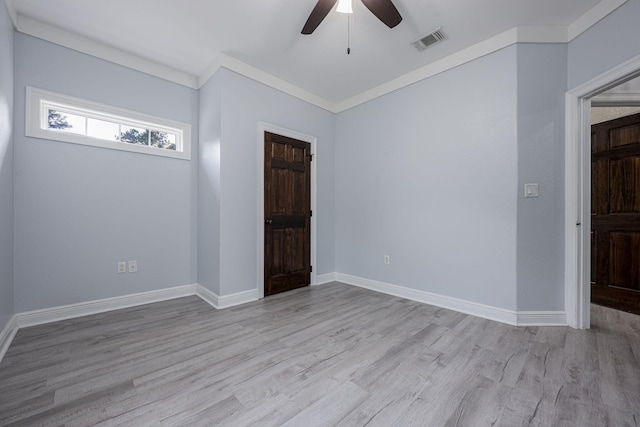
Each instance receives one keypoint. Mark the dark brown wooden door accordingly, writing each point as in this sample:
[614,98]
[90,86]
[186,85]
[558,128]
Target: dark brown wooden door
[615,214]
[287,213]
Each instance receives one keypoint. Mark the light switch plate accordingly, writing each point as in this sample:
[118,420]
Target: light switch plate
[531,190]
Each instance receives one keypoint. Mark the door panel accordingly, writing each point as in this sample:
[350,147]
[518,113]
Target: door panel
[624,266]
[615,219]
[625,188]
[287,213]
[625,135]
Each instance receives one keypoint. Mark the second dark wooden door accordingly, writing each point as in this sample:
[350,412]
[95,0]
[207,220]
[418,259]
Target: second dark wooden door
[287,213]
[615,214]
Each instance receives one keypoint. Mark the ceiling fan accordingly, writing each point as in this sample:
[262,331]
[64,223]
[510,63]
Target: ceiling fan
[384,10]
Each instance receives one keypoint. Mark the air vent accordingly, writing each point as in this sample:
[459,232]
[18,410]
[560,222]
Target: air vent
[435,37]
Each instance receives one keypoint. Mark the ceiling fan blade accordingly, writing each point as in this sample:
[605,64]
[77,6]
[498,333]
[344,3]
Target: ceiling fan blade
[384,11]
[322,9]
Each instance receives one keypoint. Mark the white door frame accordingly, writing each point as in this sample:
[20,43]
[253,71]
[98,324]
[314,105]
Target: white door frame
[577,295]
[262,128]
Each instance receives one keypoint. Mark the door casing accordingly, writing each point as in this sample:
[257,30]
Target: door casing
[577,296]
[262,128]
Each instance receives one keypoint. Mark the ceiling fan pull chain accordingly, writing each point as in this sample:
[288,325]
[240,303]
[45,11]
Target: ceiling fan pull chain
[348,34]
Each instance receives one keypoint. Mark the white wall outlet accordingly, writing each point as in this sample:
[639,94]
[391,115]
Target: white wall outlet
[387,260]
[122,267]
[133,266]
[531,190]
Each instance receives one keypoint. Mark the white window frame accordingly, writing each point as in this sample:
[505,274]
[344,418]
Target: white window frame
[39,102]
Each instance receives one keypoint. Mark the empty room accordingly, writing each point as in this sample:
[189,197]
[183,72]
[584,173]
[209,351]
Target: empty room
[320,212]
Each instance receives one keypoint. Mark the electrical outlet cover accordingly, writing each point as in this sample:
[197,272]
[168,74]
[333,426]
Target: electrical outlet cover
[133,266]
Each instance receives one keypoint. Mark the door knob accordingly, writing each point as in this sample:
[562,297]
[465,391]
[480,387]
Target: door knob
[268,221]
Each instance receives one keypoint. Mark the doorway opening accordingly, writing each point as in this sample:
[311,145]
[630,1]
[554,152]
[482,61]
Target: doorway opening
[615,197]
[578,188]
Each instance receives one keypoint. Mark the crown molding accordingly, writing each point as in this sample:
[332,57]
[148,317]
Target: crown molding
[515,35]
[13,14]
[592,17]
[91,47]
[233,64]
[541,34]
[466,55]
[210,71]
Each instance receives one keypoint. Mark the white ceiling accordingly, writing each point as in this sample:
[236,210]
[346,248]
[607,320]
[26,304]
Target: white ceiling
[191,35]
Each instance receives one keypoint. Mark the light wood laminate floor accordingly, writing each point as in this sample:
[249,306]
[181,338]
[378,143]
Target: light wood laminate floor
[328,355]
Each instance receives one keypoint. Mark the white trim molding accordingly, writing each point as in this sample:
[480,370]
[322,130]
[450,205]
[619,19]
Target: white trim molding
[510,317]
[462,306]
[548,34]
[78,43]
[616,100]
[542,318]
[578,189]
[207,296]
[543,34]
[40,102]
[592,17]
[242,68]
[226,301]
[54,314]
[6,335]
[13,14]
[262,128]
[322,279]
[71,311]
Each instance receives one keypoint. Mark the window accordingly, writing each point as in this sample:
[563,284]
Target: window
[63,118]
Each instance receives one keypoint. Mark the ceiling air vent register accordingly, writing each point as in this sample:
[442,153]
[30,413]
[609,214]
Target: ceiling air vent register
[435,37]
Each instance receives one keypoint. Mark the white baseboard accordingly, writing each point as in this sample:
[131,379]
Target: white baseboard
[322,279]
[467,307]
[54,314]
[528,318]
[207,296]
[542,318]
[226,301]
[7,334]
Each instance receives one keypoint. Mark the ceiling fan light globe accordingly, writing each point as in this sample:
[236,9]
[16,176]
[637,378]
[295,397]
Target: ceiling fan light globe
[344,6]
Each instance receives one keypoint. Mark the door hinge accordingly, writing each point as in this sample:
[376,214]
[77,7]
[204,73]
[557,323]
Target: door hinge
[311,157]
[311,269]
[310,213]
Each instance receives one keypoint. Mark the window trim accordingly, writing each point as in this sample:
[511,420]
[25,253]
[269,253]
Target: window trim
[38,102]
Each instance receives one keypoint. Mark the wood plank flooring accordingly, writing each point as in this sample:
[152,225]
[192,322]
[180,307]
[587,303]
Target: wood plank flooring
[321,356]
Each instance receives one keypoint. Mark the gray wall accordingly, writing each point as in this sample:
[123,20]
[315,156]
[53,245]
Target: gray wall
[209,184]
[80,209]
[6,167]
[607,44]
[245,102]
[542,78]
[428,175]
[431,175]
